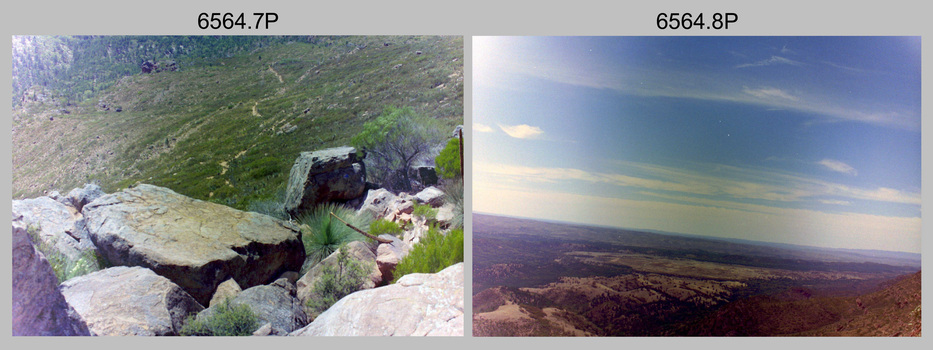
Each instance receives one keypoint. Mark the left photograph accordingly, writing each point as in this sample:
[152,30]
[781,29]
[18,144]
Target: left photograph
[237,185]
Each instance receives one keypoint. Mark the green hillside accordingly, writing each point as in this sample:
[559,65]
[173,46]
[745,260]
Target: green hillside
[225,126]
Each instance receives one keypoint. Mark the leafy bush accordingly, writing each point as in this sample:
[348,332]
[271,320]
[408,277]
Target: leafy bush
[448,161]
[337,281]
[393,142]
[424,210]
[435,252]
[226,320]
[322,234]
[383,226]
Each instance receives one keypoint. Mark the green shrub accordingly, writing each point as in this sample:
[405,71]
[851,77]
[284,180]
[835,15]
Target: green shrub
[322,234]
[435,252]
[337,281]
[448,161]
[424,210]
[383,226]
[226,320]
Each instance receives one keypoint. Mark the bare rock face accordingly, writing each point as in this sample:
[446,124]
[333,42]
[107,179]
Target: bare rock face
[358,251]
[388,255]
[39,308]
[195,244]
[418,304]
[330,175]
[377,203]
[431,196]
[129,301]
[79,197]
[59,227]
[229,289]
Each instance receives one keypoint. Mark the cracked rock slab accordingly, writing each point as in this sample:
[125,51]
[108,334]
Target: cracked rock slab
[195,244]
[124,301]
[417,305]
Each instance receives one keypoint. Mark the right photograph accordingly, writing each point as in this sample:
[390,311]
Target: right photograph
[696,186]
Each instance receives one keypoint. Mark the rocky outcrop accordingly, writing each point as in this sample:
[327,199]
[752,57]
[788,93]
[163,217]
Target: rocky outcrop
[418,304]
[431,196]
[195,244]
[330,175]
[275,305]
[38,306]
[359,251]
[129,301]
[381,203]
[59,228]
[79,197]
[388,255]
[229,289]
[425,174]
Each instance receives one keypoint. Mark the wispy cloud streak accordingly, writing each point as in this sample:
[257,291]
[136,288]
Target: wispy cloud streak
[735,183]
[522,131]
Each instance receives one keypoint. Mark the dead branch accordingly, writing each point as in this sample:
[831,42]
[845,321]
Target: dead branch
[380,240]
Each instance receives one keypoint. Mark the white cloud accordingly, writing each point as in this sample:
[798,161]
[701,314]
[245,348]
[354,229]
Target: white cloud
[522,131]
[735,185]
[770,62]
[782,225]
[838,166]
[769,93]
[835,202]
[482,127]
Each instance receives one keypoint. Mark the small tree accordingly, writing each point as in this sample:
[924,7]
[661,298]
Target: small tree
[448,161]
[394,141]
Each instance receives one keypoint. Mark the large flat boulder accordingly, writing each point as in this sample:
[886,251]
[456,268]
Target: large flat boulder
[330,175]
[195,244]
[129,301]
[39,308]
[418,304]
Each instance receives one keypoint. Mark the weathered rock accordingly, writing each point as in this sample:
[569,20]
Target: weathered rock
[229,289]
[330,175]
[388,255]
[285,284]
[271,304]
[59,229]
[39,308]
[358,251]
[431,196]
[291,276]
[195,244]
[377,203]
[418,304]
[265,330]
[129,301]
[427,175]
[79,197]
[445,214]
[419,229]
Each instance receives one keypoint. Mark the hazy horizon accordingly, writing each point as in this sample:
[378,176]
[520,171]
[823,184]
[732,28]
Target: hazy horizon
[811,141]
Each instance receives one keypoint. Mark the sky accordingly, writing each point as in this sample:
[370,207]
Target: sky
[801,140]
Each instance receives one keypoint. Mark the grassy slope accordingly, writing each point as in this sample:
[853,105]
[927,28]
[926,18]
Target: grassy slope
[217,131]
